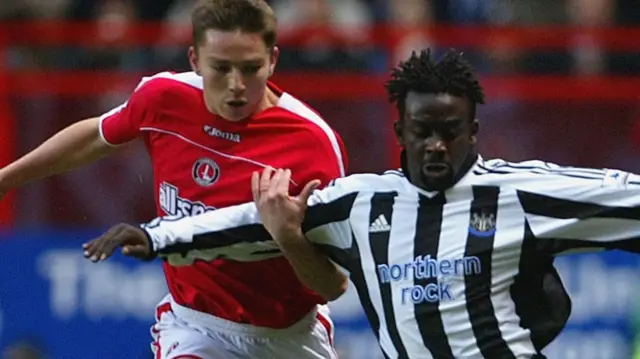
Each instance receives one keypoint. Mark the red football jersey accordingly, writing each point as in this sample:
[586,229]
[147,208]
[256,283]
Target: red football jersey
[202,162]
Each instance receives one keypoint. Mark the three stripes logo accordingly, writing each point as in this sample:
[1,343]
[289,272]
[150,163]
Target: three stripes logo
[380,225]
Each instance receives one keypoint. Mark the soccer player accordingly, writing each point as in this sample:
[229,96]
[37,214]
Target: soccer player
[452,255]
[207,131]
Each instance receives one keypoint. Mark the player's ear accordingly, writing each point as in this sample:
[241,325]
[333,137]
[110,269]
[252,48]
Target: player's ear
[275,53]
[193,59]
[398,128]
[475,127]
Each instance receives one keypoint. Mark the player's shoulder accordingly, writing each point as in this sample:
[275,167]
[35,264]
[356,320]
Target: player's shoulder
[300,113]
[167,81]
[391,180]
[311,128]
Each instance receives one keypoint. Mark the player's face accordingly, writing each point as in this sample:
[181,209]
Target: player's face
[439,138]
[235,67]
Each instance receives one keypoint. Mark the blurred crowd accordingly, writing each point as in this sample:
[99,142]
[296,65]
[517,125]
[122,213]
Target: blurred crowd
[343,43]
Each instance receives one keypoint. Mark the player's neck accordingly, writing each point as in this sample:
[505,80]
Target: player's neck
[269,99]
[467,165]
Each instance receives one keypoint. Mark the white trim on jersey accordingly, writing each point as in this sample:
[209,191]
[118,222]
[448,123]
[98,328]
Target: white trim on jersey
[296,106]
[113,112]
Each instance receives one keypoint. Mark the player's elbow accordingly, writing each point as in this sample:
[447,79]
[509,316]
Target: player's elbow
[337,290]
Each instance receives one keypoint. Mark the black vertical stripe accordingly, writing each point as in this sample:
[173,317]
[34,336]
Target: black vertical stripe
[357,278]
[426,242]
[540,299]
[382,204]
[483,216]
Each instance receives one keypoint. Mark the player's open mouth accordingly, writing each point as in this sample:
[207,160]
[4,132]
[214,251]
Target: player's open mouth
[435,169]
[236,103]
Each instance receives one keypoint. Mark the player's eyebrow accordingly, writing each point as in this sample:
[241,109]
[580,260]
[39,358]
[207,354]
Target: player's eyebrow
[453,121]
[428,118]
[256,61]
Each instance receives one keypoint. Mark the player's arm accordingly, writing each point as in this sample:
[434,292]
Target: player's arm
[72,147]
[311,266]
[78,145]
[584,211]
[325,221]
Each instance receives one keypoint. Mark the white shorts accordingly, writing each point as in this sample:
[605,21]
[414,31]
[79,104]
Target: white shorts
[184,333]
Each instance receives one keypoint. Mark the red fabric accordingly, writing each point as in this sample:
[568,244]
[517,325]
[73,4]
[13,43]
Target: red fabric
[172,119]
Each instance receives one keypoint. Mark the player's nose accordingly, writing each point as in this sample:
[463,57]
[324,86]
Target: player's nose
[435,144]
[236,83]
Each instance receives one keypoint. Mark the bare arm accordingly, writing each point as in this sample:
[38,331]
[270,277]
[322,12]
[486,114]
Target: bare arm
[75,146]
[313,268]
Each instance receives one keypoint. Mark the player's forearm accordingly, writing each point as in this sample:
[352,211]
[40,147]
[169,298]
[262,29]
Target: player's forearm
[313,268]
[230,225]
[73,147]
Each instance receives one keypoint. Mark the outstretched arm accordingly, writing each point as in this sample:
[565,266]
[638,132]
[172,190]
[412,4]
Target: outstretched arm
[238,233]
[570,210]
[82,143]
[73,147]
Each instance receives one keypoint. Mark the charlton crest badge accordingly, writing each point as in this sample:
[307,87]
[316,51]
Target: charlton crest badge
[205,172]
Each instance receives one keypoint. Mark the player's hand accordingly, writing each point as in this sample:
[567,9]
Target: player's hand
[133,241]
[280,213]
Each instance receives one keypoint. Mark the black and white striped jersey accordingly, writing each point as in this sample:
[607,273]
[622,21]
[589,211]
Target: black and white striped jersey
[464,273]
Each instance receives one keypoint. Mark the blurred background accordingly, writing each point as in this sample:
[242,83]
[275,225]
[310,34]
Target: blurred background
[562,79]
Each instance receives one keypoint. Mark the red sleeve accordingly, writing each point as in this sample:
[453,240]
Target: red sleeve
[123,123]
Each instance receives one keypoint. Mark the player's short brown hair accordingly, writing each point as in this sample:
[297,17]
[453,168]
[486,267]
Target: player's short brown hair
[252,16]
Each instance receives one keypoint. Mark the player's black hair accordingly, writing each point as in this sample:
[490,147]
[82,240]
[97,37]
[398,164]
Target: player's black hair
[252,16]
[421,73]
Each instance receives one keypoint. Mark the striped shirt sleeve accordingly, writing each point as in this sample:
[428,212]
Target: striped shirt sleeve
[588,210]
[327,221]
[238,230]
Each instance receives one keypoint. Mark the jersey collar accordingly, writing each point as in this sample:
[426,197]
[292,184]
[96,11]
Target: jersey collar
[465,180]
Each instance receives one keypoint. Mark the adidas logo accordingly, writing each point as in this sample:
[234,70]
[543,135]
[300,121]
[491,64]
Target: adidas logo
[379,225]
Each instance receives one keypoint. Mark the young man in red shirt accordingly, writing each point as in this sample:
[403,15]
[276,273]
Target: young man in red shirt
[206,132]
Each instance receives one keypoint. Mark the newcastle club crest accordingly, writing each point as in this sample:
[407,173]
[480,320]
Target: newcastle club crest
[482,224]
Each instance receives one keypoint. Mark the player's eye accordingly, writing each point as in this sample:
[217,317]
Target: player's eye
[222,68]
[422,131]
[248,70]
[449,134]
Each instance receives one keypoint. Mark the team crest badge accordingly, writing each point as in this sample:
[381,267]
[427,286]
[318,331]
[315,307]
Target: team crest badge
[482,224]
[205,172]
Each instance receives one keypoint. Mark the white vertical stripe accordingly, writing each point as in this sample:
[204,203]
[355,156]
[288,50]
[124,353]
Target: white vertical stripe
[452,246]
[401,251]
[360,224]
[510,224]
